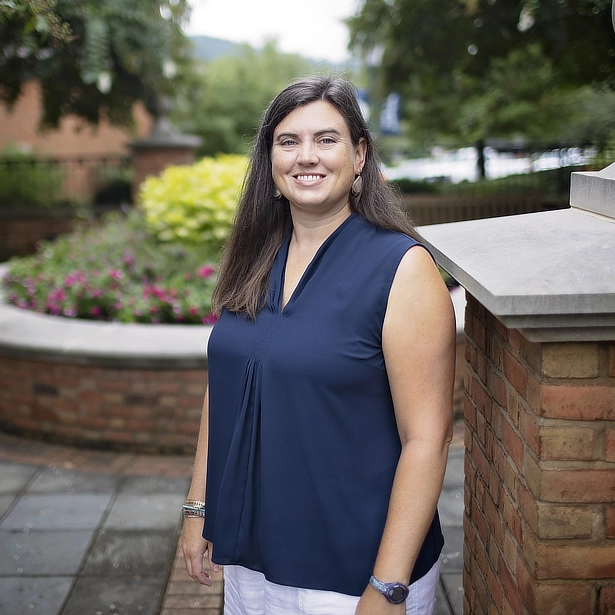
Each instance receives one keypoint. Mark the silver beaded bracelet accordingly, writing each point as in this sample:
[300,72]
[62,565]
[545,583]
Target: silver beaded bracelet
[193,508]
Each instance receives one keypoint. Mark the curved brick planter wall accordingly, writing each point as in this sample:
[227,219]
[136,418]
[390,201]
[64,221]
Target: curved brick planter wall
[135,387]
[101,384]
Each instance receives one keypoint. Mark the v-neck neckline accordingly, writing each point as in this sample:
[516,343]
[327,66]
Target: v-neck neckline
[282,259]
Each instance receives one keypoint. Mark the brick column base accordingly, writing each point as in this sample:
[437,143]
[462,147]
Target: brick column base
[540,473]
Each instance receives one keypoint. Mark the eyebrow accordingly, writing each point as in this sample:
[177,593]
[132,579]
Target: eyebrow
[318,133]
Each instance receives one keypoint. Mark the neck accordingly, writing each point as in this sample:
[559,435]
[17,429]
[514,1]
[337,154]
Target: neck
[309,230]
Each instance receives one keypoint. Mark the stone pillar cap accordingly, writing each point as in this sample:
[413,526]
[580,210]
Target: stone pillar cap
[549,274]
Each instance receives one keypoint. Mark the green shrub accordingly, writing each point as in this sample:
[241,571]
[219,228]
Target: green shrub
[116,271]
[194,204]
[413,186]
[26,181]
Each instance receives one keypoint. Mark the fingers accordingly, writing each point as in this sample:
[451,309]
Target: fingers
[195,548]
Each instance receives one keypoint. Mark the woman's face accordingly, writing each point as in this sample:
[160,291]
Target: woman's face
[313,159]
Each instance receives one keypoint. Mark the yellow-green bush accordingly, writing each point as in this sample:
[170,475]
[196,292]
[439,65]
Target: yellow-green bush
[196,203]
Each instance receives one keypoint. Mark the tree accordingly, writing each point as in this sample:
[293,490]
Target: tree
[485,68]
[228,95]
[93,58]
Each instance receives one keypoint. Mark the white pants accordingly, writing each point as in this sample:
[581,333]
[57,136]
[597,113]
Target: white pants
[248,593]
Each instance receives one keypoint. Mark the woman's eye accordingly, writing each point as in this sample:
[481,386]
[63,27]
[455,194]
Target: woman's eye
[327,141]
[288,142]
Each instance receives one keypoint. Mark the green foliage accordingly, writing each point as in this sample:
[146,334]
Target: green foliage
[117,271]
[550,184]
[225,101]
[517,97]
[413,186]
[117,53]
[477,69]
[36,16]
[27,181]
[194,204]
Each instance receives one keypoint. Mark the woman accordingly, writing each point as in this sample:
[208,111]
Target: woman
[328,414]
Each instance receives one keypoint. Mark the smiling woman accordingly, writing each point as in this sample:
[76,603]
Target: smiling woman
[329,408]
[314,161]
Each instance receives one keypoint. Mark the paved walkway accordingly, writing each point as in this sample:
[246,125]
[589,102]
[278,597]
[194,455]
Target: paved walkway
[95,533]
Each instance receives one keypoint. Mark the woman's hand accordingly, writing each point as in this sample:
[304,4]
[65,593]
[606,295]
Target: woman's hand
[195,548]
[374,603]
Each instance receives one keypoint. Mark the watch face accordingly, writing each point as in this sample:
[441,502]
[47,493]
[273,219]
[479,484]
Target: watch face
[398,593]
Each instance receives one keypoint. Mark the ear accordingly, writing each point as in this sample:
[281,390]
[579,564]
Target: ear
[360,155]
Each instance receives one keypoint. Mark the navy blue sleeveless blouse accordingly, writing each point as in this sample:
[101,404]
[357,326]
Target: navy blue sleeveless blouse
[303,443]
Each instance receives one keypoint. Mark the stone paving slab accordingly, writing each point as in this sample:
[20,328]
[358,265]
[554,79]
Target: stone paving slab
[145,511]
[128,506]
[453,584]
[59,480]
[57,512]
[452,553]
[6,501]
[450,507]
[155,484]
[15,477]
[136,552]
[115,596]
[33,595]
[43,553]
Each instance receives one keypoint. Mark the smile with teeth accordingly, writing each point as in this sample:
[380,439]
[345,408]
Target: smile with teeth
[309,178]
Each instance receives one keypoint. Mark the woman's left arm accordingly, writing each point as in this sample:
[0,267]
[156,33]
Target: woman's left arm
[418,342]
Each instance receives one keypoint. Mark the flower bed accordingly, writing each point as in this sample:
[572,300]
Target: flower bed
[151,265]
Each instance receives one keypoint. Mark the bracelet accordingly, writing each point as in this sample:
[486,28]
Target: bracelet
[193,508]
[195,503]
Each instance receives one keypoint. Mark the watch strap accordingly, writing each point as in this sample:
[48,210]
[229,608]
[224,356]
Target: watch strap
[393,592]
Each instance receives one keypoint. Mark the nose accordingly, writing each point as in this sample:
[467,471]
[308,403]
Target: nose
[307,154]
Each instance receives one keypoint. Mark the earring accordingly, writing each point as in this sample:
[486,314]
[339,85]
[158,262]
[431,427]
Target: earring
[357,185]
[277,194]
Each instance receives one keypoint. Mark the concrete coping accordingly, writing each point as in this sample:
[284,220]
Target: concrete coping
[549,274]
[25,334]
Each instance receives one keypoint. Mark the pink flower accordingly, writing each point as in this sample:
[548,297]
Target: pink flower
[128,259]
[193,311]
[206,271]
[96,311]
[116,274]
[57,294]
[210,319]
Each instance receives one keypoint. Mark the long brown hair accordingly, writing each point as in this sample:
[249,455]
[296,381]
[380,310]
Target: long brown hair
[262,221]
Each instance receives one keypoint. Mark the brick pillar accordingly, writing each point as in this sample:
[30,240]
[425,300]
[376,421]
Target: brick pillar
[540,482]
[161,149]
[151,158]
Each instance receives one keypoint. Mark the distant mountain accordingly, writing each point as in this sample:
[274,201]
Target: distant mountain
[209,48]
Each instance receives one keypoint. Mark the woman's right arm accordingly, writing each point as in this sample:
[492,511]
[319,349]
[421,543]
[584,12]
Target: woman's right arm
[194,547]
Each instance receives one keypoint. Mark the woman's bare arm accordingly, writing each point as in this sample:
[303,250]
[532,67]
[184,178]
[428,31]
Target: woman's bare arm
[194,547]
[419,351]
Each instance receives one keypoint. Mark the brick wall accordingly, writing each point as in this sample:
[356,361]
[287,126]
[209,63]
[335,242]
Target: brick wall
[540,473]
[74,137]
[147,410]
[152,160]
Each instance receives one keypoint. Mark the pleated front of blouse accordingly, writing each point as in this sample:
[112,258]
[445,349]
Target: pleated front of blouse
[303,443]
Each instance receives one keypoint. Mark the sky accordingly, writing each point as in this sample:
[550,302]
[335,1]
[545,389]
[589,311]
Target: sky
[311,28]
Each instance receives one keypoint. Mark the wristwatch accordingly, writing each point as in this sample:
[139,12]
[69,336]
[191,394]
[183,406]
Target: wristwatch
[393,592]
